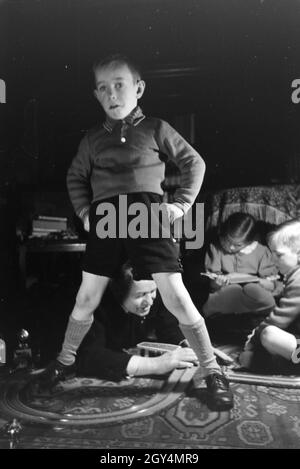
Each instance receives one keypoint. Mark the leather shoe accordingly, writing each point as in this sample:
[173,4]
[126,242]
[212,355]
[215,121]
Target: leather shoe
[220,394]
[54,373]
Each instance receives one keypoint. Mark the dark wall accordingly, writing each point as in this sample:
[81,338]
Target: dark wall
[230,63]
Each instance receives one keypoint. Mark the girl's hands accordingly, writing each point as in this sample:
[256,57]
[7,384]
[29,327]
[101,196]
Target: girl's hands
[221,280]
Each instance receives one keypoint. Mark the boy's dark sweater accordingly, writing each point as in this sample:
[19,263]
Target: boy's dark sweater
[105,166]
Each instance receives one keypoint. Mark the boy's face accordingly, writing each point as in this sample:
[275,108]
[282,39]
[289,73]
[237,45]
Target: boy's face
[117,90]
[140,297]
[284,258]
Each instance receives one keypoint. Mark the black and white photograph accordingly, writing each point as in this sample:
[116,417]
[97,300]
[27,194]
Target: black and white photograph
[166,133]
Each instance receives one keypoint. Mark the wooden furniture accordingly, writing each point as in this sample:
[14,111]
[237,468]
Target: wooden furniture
[45,246]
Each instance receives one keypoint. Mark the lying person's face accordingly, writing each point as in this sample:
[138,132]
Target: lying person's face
[232,245]
[284,258]
[140,297]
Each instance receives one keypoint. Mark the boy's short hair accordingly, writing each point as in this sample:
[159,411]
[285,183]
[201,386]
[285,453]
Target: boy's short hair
[287,234]
[239,226]
[119,59]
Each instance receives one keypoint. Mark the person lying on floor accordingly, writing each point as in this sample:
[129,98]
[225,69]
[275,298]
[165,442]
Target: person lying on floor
[128,313]
[238,250]
[277,335]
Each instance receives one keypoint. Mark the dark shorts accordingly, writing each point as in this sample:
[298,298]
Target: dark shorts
[148,255]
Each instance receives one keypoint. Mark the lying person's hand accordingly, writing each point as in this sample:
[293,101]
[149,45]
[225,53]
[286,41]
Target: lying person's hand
[182,357]
[179,358]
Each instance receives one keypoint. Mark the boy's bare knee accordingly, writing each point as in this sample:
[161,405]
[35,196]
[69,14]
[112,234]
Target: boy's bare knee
[175,302]
[268,335]
[87,301]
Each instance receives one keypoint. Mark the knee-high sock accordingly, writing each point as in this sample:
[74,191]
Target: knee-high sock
[74,335]
[199,341]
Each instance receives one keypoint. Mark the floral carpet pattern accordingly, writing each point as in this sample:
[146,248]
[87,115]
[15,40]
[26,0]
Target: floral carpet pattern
[148,413]
[87,401]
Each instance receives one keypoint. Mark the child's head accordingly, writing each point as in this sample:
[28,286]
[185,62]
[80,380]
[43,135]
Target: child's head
[118,85]
[237,232]
[284,242]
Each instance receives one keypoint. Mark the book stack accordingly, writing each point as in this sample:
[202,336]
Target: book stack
[43,225]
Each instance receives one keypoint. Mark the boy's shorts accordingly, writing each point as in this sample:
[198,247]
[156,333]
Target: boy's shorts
[148,255]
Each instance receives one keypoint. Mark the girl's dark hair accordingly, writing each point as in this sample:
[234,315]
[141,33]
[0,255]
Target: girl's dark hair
[241,226]
[118,59]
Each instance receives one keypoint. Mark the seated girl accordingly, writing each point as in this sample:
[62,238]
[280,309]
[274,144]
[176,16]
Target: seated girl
[239,251]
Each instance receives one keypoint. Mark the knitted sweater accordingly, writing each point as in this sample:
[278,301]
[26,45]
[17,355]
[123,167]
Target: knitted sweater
[257,262]
[128,156]
[287,314]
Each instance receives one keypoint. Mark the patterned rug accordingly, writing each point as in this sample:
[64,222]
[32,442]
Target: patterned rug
[265,377]
[150,413]
[88,401]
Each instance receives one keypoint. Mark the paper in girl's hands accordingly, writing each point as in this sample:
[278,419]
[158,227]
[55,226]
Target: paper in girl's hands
[234,277]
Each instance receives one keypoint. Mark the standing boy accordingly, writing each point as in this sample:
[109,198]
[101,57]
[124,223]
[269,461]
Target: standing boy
[126,156]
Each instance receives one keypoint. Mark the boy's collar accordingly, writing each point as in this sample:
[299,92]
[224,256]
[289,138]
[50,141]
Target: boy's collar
[134,118]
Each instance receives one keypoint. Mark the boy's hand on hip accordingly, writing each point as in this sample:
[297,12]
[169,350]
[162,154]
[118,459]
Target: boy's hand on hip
[173,212]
